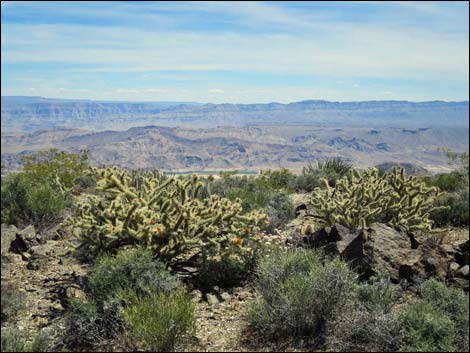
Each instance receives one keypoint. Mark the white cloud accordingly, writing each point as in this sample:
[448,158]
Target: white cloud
[359,52]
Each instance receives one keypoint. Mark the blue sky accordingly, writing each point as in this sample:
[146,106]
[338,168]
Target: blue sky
[237,52]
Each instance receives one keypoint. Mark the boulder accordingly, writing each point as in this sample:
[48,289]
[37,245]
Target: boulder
[8,233]
[381,248]
[24,240]
[463,272]
[40,255]
[327,235]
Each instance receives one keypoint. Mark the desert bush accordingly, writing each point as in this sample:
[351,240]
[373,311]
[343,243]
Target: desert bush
[134,270]
[91,324]
[452,208]
[427,329]
[12,300]
[312,175]
[367,323]
[113,284]
[453,303]
[162,214]
[362,198]
[14,340]
[377,294]
[268,192]
[41,191]
[280,210]
[448,182]
[159,322]
[49,166]
[362,329]
[297,292]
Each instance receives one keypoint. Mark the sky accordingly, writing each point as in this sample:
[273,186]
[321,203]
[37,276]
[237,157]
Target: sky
[236,52]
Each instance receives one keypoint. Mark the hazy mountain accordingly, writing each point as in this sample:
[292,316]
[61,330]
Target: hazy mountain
[251,147]
[37,113]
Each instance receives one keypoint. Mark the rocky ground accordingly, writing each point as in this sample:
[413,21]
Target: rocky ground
[41,265]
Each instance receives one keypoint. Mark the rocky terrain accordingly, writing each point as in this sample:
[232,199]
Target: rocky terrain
[41,264]
[36,113]
[249,148]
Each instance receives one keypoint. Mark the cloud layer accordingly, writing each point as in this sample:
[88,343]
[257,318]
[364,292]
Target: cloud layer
[238,52]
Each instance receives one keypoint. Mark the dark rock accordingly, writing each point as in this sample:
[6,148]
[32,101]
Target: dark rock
[382,249]
[327,235]
[299,208]
[434,259]
[24,240]
[462,252]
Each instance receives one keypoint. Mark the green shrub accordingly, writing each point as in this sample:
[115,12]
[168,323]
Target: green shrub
[12,300]
[455,211]
[453,303]
[312,175]
[23,201]
[267,192]
[134,270]
[377,294]
[334,166]
[112,284]
[427,329]
[47,166]
[280,210]
[448,182]
[14,340]
[159,322]
[297,292]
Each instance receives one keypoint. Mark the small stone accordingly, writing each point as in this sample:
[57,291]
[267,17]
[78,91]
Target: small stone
[226,297]
[212,299]
[453,267]
[25,256]
[463,272]
[196,295]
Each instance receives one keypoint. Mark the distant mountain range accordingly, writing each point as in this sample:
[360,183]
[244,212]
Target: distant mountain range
[37,113]
[250,147]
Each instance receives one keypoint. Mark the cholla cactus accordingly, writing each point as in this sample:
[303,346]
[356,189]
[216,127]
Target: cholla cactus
[362,198]
[163,214]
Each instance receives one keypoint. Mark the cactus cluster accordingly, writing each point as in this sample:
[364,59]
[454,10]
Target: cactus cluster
[362,198]
[163,214]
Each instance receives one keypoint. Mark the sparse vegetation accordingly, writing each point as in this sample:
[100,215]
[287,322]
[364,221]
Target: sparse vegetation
[298,292]
[159,322]
[41,192]
[14,340]
[12,300]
